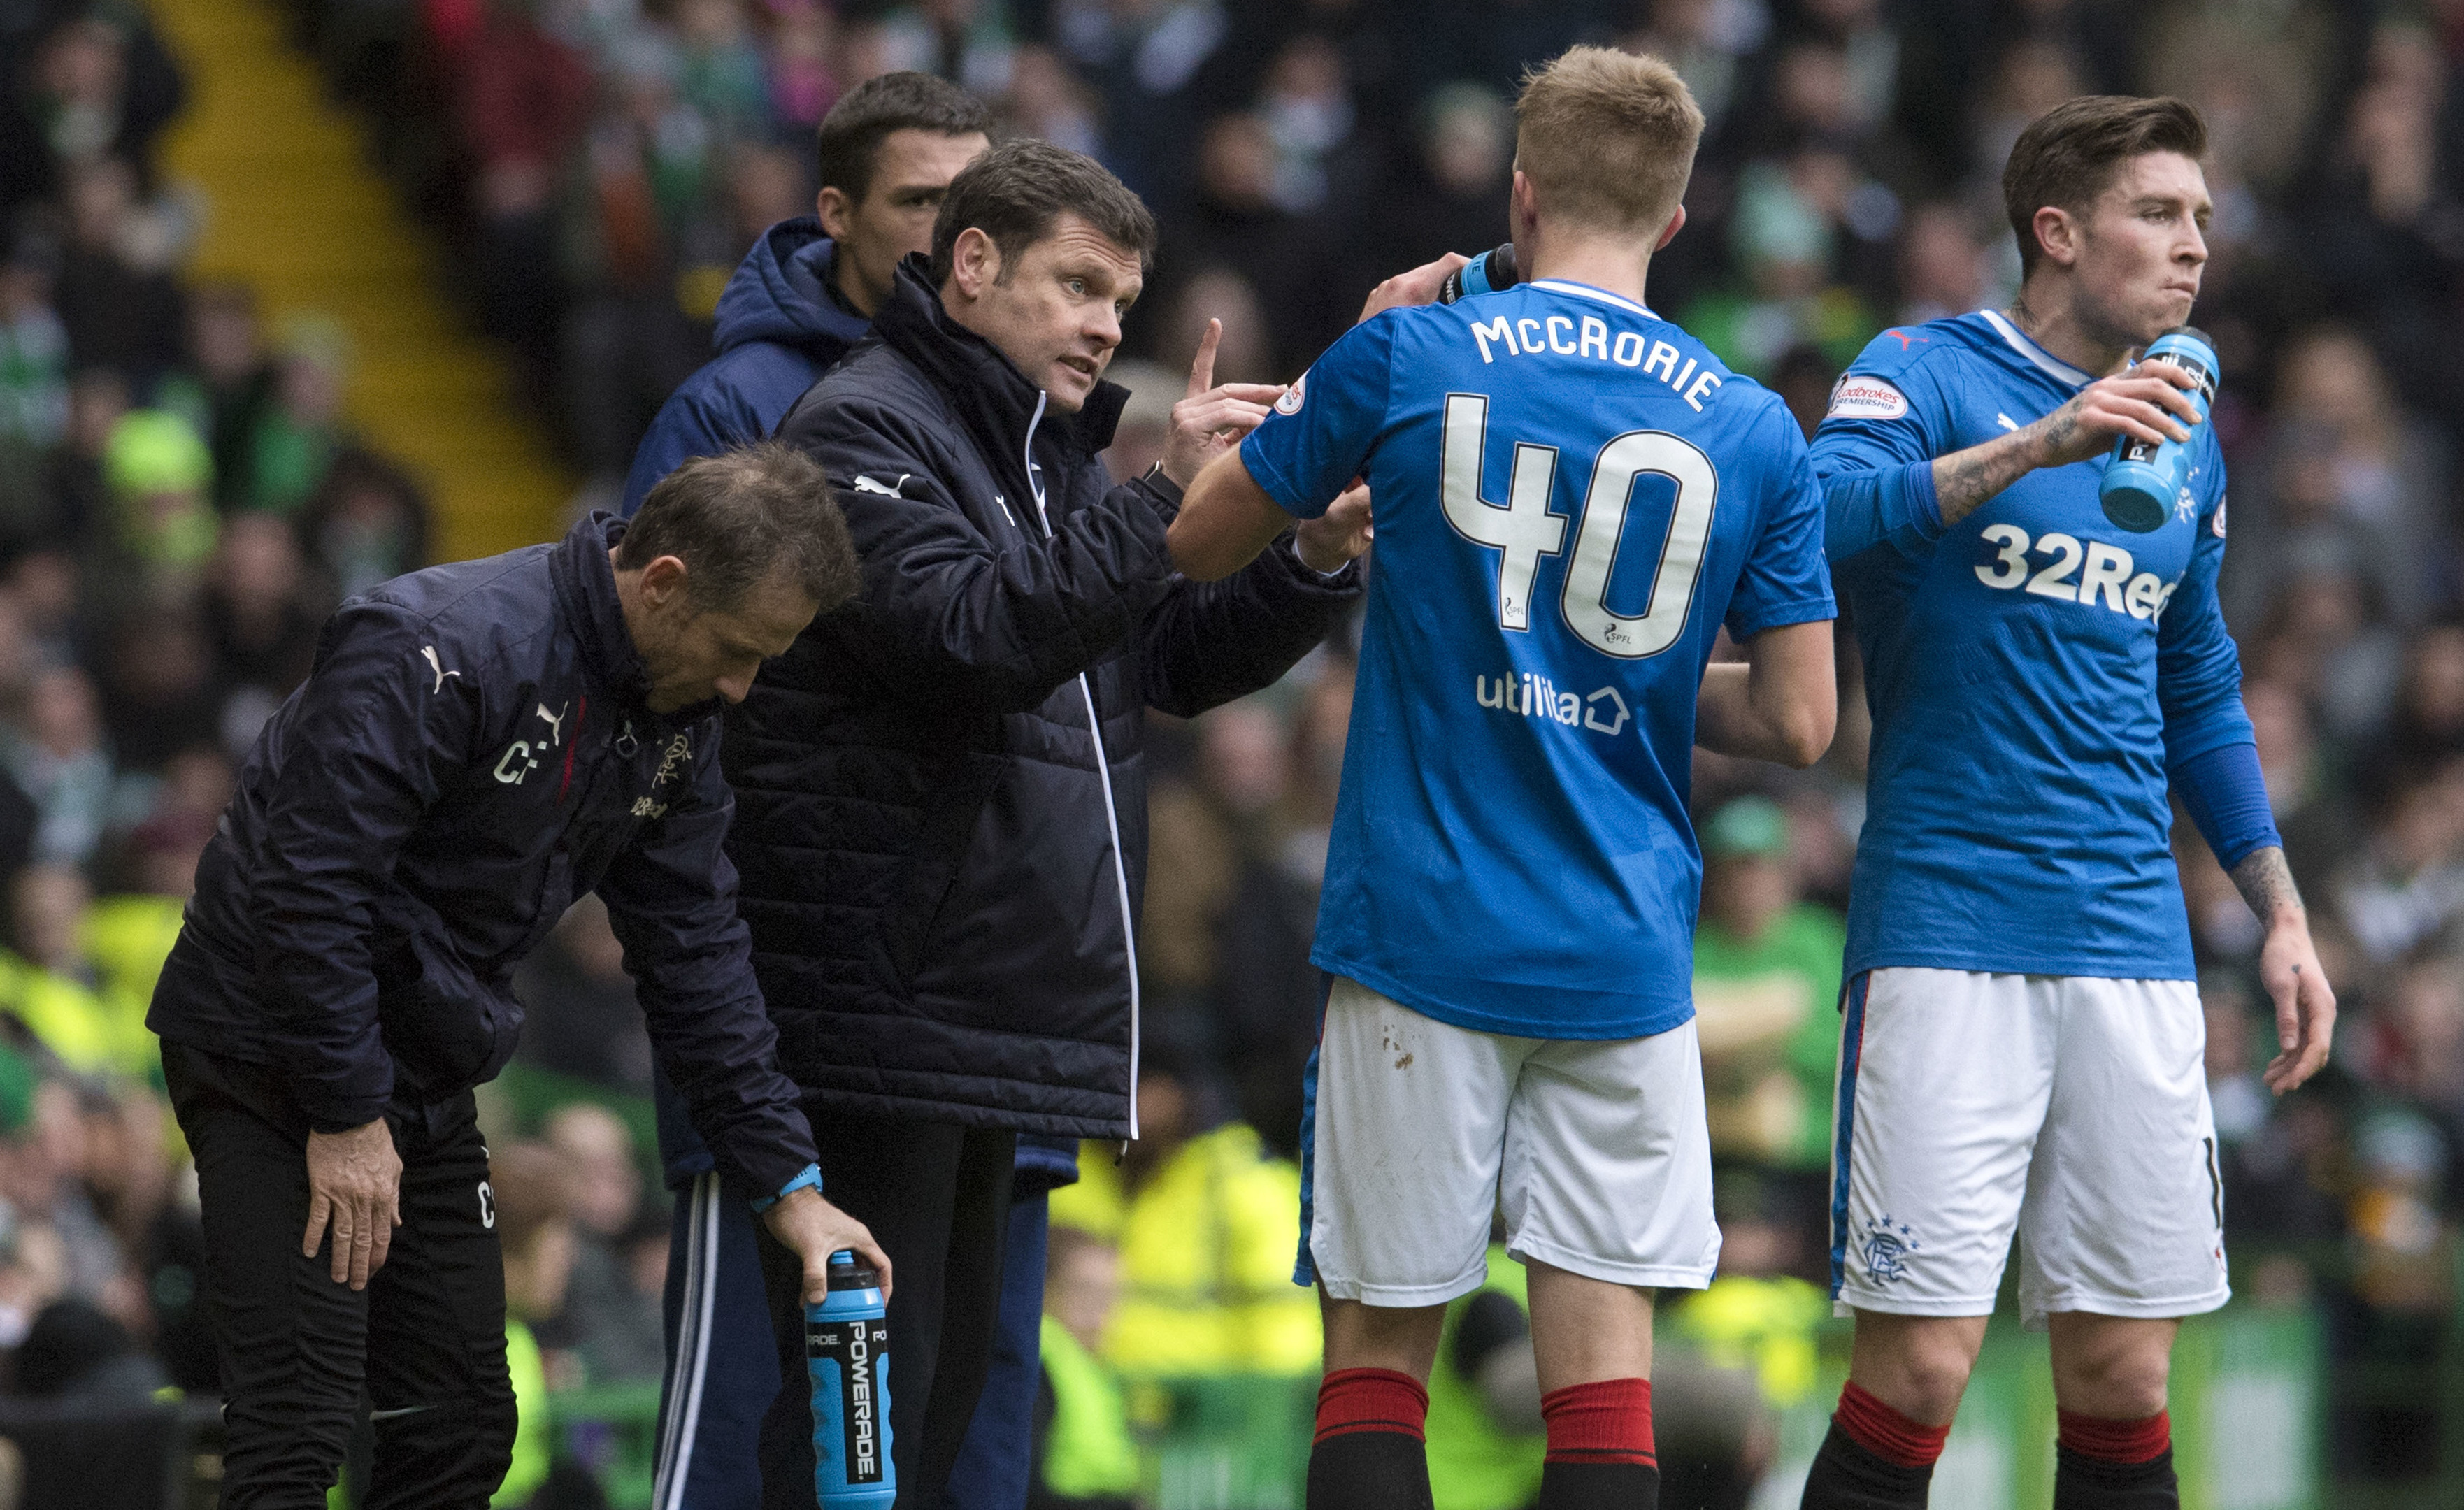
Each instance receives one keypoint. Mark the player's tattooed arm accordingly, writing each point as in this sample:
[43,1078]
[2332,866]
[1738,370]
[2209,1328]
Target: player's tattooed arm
[1963,480]
[2266,883]
[2288,968]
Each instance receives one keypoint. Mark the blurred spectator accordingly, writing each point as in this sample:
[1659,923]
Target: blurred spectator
[1083,1458]
[528,1194]
[161,525]
[227,382]
[1146,419]
[1766,994]
[287,450]
[160,695]
[580,1016]
[71,496]
[2351,483]
[56,757]
[117,312]
[2407,881]
[524,100]
[34,354]
[1456,200]
[611,1323]
[99,84]
[1484,1432]
[1206,1225]
[367,524]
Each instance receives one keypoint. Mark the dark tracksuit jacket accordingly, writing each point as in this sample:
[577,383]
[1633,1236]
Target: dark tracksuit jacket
[470,752]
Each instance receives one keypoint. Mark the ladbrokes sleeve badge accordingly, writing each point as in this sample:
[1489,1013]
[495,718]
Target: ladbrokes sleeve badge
[1856,396]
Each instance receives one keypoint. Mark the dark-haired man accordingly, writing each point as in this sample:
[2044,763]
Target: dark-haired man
[808,289]
[804,294]
[2022,1037]
[477,745]
[944,799]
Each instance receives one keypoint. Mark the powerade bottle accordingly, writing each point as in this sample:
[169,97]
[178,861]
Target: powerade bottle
[1481,274]
[2143,478]
[846,1349]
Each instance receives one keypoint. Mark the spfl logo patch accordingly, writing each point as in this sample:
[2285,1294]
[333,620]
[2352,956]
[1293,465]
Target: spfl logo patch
[1856,397]
[1293,397]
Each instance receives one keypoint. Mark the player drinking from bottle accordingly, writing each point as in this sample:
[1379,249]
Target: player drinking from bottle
[1573,496]
[2021,1044]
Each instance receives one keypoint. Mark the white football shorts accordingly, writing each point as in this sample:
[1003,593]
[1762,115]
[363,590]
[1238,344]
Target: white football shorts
[2068,1109]
[1595,1152]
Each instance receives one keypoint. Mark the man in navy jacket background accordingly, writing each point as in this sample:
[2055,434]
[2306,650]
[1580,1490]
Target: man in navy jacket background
[476,745]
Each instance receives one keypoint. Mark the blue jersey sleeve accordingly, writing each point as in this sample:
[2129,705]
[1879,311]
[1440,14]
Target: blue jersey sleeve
[1321,432]
[1875,454]
[2225,792]
[1786,580]
[2198,671]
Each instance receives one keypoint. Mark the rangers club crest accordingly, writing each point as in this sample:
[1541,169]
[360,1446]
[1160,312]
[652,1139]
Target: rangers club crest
[1886,1247]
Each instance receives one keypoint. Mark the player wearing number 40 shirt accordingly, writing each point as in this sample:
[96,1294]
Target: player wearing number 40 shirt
[1573,496]
[2022,1040]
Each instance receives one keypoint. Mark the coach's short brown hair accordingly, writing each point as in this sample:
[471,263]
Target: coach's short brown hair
[1607,138]
[2069,155]
[1015,192]
[738,517]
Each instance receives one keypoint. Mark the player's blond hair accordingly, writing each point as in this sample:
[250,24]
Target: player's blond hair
[1607,138]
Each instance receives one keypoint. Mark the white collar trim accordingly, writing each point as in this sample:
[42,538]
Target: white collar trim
[1585,291]
[2045,361]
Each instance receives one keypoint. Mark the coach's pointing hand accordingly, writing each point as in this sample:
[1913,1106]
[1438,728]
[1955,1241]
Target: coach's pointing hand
[354,1186]
[1212,420]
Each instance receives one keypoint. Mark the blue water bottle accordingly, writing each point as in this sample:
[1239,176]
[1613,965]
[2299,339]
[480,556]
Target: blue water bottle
[1486,273]
[846,1349]
[2144,479]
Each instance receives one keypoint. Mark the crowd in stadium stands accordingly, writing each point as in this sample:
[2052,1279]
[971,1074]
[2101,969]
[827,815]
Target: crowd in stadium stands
[181,501]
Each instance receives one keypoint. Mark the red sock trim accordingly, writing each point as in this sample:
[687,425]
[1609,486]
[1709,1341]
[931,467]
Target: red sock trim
[1885,1433]
[1372,1400]
[1606,1421]
[2117,1441]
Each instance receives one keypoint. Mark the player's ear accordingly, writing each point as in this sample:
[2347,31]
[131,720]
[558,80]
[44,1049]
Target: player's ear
[1522,206]
[2057,233]
[1676,224]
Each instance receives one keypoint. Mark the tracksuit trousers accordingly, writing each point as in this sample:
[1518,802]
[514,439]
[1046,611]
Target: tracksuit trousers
[426,1337]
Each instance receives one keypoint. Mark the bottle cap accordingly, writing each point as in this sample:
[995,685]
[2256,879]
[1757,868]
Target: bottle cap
[849,1273]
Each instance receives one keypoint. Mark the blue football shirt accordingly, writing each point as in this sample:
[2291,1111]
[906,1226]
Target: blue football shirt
[1572,495]
[2033,672]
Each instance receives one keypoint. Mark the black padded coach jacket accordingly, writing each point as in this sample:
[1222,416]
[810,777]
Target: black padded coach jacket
[470,753]
[941,873]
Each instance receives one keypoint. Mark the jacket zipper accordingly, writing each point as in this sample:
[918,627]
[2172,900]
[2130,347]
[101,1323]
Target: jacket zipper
[1102,776]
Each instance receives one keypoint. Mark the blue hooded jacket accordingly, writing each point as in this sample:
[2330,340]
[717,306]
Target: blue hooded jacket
[779,329]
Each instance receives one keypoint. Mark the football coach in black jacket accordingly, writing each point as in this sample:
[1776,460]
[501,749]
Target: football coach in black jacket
[944,808]
[476,745]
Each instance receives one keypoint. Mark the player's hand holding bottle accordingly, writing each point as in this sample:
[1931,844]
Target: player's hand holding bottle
[2148,400]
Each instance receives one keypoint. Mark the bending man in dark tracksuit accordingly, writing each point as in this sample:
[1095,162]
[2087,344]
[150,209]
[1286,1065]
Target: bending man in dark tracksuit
[476,745]
[945,812]
[804,294]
